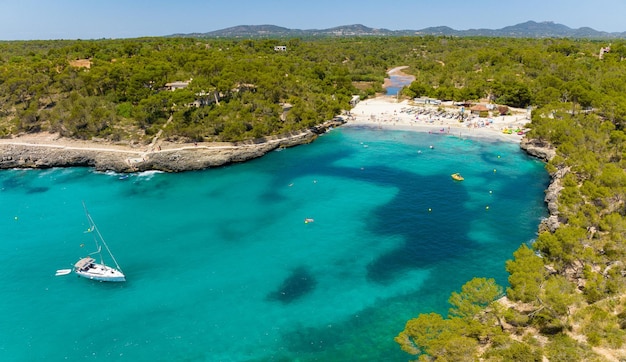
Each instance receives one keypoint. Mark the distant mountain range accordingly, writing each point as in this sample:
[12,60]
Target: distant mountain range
[529,29]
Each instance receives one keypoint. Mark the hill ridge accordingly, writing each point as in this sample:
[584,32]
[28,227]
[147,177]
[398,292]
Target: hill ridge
[528,29]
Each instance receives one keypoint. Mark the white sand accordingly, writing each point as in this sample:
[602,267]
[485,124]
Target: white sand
[387,112]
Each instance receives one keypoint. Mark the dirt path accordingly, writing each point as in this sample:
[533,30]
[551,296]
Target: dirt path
[51,140]
[47,150]
[398,71]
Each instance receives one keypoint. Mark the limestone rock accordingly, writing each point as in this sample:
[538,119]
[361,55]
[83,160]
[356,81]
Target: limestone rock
[537,148]
[175,160]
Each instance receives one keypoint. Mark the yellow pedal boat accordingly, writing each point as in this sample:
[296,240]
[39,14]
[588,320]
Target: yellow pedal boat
[457,176]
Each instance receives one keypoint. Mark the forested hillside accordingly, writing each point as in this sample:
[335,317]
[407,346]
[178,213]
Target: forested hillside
[567,291]
[116,89]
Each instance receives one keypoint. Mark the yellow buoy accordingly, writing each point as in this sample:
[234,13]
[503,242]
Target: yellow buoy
[494,170]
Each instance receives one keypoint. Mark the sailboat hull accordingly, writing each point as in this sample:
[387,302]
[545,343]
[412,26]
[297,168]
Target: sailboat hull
[101,272]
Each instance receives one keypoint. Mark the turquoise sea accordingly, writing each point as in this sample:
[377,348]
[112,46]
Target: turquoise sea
[221,266]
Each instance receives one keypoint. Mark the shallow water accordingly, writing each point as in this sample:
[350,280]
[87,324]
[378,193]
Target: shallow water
[222,267]
[397,82]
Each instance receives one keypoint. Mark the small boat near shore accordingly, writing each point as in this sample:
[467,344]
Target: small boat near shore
[457,177]
[62,272]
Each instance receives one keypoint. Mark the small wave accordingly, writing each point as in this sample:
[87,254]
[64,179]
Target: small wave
[118,175]
[53,170]
[147,175]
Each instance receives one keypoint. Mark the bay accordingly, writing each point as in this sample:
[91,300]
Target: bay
[221,265]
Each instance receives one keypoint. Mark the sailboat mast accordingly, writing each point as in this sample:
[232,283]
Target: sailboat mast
[95,228]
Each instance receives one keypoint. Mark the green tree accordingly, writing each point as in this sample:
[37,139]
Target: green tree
[526,273]
[434,338]
[475,296]
[514,95]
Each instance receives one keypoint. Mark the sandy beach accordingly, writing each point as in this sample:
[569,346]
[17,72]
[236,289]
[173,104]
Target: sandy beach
[387,112]
[44,150]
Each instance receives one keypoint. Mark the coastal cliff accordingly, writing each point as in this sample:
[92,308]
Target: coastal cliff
[545,152]
[202,157]
[19,153]
[537,148]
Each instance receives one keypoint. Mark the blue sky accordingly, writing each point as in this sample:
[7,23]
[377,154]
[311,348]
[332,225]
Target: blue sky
[93,19]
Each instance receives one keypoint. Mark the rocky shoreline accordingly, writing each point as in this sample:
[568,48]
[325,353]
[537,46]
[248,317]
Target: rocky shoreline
[546,152]
[187,157]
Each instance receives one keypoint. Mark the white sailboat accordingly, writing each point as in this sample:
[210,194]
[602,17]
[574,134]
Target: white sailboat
[88,267]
